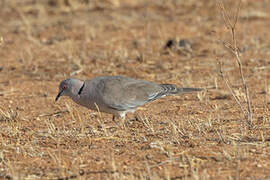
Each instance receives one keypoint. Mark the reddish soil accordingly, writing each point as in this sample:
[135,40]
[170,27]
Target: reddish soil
[193,136]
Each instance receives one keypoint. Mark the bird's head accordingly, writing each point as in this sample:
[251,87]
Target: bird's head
[68,87]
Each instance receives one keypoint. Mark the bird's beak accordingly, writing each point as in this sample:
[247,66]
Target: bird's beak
[59,94]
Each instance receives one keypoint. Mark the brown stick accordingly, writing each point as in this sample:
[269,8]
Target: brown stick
[235,50]
[230,88]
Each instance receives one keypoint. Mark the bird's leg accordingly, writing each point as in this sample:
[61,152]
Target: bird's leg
[114,120]
[123,122]
[122,119]
[137,117]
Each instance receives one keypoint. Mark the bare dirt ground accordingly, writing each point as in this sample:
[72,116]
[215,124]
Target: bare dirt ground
[194,136]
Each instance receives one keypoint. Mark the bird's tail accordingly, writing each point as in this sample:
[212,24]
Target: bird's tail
[170,89]
[188,90]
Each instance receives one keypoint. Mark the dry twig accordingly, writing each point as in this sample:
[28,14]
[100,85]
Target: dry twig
[230,24]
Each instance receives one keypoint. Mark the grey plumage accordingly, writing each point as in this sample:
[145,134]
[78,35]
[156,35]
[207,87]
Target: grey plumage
[116,94]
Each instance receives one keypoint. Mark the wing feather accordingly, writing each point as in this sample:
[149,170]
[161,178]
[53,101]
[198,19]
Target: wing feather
[121,93]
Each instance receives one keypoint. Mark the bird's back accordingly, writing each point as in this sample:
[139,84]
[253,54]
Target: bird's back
[122,93]
[117,93]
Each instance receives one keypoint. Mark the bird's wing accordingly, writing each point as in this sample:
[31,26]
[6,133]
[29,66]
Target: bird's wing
[123,93]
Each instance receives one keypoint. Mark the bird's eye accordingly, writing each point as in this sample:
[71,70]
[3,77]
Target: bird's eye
[65,86]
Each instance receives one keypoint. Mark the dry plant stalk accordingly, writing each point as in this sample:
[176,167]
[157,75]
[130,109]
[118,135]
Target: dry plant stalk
[230,24]
[1,40]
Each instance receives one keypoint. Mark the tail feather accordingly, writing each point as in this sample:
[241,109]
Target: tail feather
[170,89]
[188,90]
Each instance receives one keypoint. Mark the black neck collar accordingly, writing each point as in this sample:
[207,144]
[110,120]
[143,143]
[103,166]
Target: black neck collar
[80,90]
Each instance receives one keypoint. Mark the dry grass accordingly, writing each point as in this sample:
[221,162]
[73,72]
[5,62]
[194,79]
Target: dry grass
[230,24]
[183,137]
